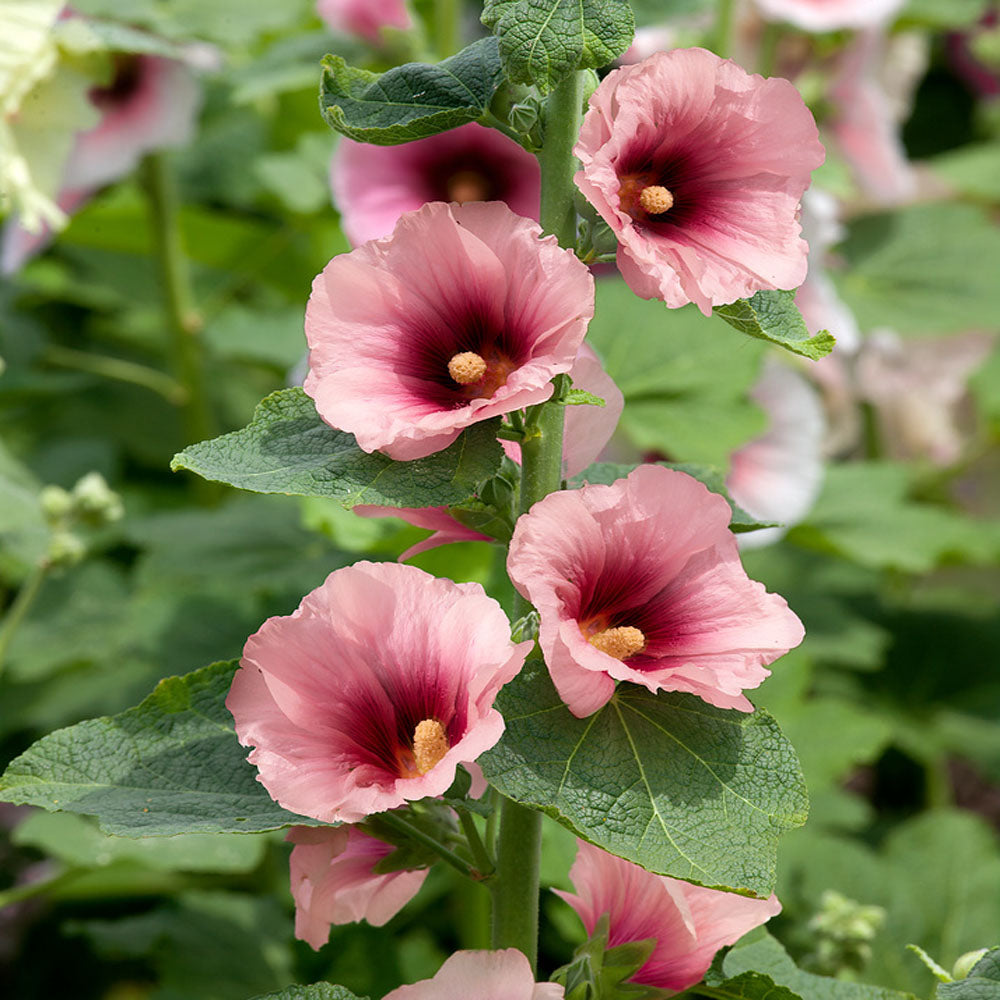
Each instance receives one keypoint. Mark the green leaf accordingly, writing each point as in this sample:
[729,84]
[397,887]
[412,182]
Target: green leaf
[318,991]
[685,383]
[764,955]
[542,41]
[973,170]
[579,397]
[76,841]
[863,513]
[749,986]
[411,101]
[949,14]
[287,448]
[774,317]
[920,269]
[610,472]
[982,983]
[664,780]
[170,765]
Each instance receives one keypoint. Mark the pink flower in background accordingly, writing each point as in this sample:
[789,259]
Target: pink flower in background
[690,923]
[374,185]
[828,15]
[481,975]
[373,691]
[365,18]
[777,476]
[698,167]
[642,582]
[332,881]
[150,103]
[463,314]
[437,519]
[917,389]
[587,428]
[864,125]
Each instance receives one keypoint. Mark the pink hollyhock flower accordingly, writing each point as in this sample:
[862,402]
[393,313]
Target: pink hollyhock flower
[437,519]
[365,18]
[641,581]
[374,185]
[777,476]
[698,167]
[828,15]
[332,881]
[864,125]
[150,103]
[461,315]
[917,390]
[689,922]
[373,691]
[481,975]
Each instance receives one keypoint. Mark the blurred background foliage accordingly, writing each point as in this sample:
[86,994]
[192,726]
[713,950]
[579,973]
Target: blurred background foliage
[892,701]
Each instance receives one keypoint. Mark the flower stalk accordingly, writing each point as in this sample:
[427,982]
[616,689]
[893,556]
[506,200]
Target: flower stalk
[516,886]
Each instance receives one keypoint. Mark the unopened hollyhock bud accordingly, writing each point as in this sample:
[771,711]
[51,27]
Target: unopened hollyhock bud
[641,581]
[688,922]
[365,18]
[698,168]
[828,15]
[481,975]
[463,314]
[332,881]
[373,691]
[374,185]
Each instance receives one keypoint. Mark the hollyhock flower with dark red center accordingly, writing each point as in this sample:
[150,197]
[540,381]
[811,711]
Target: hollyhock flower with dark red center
[365,18]
[481,975]
[829,15]
[373,691]
[688,922]
[332,881]
[698,168]
[149,103]
[777,476]
[641,581]
[463,314]
[374,185]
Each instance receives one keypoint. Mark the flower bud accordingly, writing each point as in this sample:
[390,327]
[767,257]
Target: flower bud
[55,502]
[964,964]
[96,502]
[65,549]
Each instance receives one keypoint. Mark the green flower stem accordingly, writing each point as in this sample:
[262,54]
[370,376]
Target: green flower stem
[19,608]
[120,370]
[767,48]
[184,322]
[725,19]
[563,113]
[447,27]
[484,863]
[446,854]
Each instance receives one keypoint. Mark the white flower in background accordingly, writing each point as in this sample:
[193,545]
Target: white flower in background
[777,476]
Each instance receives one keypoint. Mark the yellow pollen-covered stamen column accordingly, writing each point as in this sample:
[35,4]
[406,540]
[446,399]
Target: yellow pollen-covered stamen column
[467,368]
[656,199]
[621,642]
[430,744]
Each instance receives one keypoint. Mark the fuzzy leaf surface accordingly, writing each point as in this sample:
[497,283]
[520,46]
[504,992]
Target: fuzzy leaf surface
[411,101]
[982,983]
[666,780]
[170,765]
[542,41]
[286,448]
[774,317]
[318,991]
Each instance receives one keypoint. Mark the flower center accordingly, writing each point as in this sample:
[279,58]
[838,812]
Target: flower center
[656,199]
[468,185]
[430,744]
[467,368]
[621,642]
